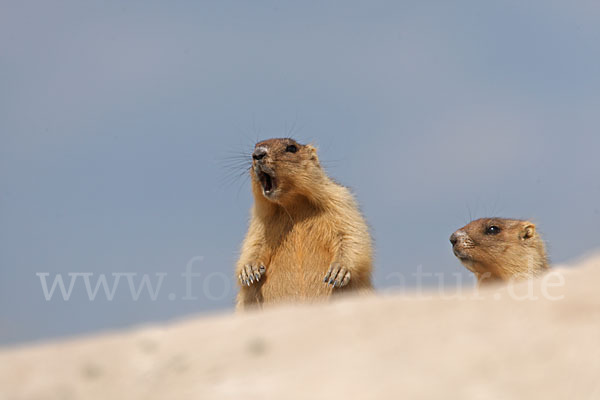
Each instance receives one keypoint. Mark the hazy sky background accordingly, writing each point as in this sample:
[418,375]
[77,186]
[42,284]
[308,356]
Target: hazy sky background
[116,119]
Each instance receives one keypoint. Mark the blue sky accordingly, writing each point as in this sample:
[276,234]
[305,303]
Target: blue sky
[117,118]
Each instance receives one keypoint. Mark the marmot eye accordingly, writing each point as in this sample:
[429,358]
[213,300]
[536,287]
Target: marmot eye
[492,230]
[291,148]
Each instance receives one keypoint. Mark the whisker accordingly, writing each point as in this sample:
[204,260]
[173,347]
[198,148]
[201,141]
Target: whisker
[235,165]
[245,180]
[234,177]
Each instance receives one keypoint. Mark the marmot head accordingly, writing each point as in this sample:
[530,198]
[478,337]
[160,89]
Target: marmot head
[499,248]
[282,168]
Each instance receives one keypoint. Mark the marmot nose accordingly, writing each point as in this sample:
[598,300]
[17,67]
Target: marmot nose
[453,239]
[259,153]
[456,236]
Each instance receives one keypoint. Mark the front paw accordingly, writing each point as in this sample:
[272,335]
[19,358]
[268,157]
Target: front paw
[337,276]
[251,273]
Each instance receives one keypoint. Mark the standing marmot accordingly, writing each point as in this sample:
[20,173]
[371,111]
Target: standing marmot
[307,238]
[499,249]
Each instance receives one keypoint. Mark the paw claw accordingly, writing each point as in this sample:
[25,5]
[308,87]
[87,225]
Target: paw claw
[346,279]
[337,276]
[251,273]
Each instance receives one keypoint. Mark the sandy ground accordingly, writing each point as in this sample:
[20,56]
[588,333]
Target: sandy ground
[491,344]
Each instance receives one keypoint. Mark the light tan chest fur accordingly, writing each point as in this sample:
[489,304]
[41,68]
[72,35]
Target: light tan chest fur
[297,260]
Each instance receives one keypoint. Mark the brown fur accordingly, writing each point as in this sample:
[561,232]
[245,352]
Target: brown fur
[305,225]
[515,252]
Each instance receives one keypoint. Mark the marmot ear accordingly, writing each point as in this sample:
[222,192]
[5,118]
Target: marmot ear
[528,231]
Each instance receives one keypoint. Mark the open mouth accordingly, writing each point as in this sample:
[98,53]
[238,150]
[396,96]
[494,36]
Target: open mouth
[267,182]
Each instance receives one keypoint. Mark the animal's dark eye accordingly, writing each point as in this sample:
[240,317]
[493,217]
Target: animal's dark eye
[492,230]
[291,148]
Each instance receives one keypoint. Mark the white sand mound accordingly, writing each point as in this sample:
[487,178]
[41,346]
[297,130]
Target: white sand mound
[393,346]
